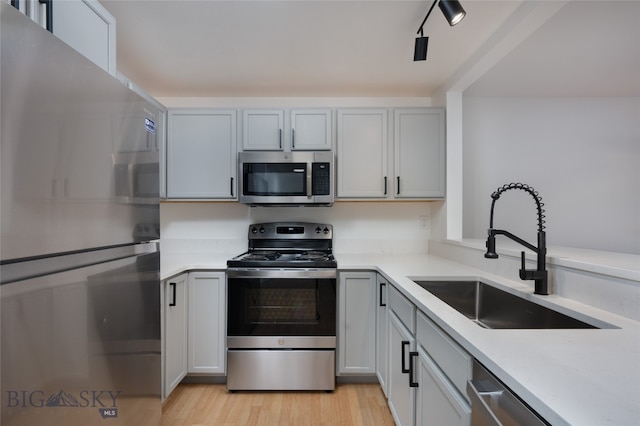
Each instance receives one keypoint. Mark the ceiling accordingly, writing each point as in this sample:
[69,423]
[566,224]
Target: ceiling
[333,48]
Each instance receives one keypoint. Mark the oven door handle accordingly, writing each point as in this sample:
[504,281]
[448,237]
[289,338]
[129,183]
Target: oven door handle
[309,180]
[282,273]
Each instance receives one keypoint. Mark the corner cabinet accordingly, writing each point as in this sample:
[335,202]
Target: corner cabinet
[356,350]
[206,323]
[201,154]
[412,167]
[174,345]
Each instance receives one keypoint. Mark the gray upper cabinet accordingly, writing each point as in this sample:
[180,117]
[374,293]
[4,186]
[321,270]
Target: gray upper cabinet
[201,154]
[362,153]
[286,130]
[412,166]
[419,156]
[89,28]
[310,129]
[263,130]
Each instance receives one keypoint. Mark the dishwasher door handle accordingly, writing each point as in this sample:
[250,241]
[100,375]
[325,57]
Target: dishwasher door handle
[481,412]
[494,405]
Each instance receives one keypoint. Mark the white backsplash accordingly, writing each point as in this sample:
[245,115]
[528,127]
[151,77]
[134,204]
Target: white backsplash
[359,227]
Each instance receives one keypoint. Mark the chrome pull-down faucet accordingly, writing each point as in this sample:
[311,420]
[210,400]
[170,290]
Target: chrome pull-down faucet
[539,275]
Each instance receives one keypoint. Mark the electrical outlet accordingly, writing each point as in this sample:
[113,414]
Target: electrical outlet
[423,222]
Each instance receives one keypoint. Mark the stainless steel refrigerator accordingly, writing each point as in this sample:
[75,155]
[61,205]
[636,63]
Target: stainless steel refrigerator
[80,288]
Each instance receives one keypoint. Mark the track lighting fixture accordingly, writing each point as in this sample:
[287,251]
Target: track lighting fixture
[420,51]
[452,11]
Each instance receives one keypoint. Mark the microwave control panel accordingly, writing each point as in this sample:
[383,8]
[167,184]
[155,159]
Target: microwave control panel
[321,178]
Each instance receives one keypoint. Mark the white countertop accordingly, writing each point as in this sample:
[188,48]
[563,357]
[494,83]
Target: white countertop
[579,377]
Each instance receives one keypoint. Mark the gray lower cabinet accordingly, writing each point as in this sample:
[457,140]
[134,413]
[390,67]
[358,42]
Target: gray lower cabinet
[382,332]
[206,323]
[425,371]
[443,369]
[356,351]
[194,326]
[401,335]
[401,397]
[174,345]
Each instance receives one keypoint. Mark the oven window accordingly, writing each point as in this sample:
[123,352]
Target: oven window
[281,307]
[275,179]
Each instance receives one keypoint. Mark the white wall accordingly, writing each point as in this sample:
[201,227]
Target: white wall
[359,227]
[581,154]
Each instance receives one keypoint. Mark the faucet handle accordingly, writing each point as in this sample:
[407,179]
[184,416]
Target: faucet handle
[524,274]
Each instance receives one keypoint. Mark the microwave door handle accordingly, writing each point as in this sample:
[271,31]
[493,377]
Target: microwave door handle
[309,168]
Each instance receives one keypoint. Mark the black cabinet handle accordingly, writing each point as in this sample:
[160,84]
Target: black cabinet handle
[412,384]
[231,190]
[49,6]
[382,303]
[293,138]
[173,290]
[280,136]
[398,186]
[404,344]
[385,185]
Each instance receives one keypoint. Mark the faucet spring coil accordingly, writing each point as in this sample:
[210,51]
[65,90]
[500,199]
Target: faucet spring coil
[536,196]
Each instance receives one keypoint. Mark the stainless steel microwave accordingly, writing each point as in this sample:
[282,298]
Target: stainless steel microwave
[286,178]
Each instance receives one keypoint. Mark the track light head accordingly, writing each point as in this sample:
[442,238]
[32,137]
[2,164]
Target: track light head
[420,51]
[452,10]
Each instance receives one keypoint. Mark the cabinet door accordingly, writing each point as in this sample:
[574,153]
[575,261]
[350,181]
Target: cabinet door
[362,154]
[207,316]
[419,144]
[438,402]
[262,130]
[310,129]
[175,329]
[89,28]
[201,154]
[356,323]
[382,339]
[401,397]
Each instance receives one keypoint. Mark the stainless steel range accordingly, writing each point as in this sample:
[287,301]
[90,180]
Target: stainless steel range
[281,313]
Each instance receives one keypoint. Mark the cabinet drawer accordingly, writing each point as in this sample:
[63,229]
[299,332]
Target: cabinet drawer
[404,309]
[454,361]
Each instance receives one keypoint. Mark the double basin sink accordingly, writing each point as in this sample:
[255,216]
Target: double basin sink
[491,307]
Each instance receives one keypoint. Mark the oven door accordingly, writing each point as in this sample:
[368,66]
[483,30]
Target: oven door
[289,312]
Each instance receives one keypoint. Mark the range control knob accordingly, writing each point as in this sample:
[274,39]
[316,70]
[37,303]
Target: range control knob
[262,229]
[325,230]
[318,230]
[254,230]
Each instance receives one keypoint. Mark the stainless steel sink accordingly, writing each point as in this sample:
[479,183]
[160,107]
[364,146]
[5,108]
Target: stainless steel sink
[491,307]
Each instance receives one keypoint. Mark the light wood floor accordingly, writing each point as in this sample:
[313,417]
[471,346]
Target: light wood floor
[211,404]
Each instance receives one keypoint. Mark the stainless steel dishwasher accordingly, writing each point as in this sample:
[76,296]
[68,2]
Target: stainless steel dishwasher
[493,404]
